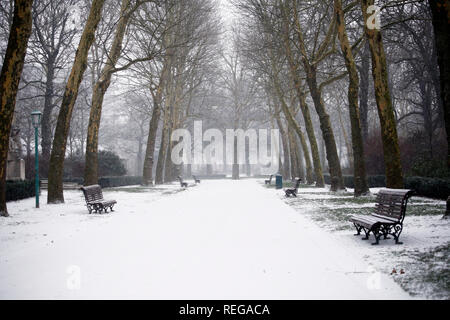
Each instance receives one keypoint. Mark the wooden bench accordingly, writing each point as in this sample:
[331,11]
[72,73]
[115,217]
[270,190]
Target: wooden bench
[293,191]
[195,179]
[94,199]
[387,219]
[269,181]
[182,183]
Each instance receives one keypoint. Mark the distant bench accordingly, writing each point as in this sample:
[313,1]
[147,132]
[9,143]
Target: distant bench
[269,181]
[293,191]
[196,179]
[387,219]
[182,183]
[94,199]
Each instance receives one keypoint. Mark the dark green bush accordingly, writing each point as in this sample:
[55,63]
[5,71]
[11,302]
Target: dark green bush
[430,168]
[110,164]
[429,187]
[110,182]
[373,181]
[17,190]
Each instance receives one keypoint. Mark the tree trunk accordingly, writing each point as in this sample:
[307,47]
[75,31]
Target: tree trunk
[364,92]
[235,172]
[294,124]
[337,181]
[285,143]
[159,177]
[46,133]
[391,149]
[440,10]
[147,175]
[55,177]
[100,88]
[361,185]
[293,157]
[9,84]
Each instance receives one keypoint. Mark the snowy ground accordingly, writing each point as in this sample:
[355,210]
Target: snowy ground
[221,239]
[424,256]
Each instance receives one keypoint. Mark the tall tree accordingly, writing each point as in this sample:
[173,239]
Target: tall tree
[100,88]
[361,185]
[55,177]
[310,63]
[295,75]
[440,10]
[49,46]
[391,149]
[9,83]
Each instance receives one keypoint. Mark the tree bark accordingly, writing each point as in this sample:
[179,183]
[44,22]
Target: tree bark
[100,88]
[337,180]
[159,177]
[285,143]
[46,133]
[9,83]
[360,178]
[391,149]
[55,177]
[147,175]
[235,169]
[364,92]
[440,10]
[292,155]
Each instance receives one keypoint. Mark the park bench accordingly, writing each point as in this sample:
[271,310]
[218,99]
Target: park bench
[269,181]
[182,183]
[387,219]
[293,191]
[195,179]
[94,199]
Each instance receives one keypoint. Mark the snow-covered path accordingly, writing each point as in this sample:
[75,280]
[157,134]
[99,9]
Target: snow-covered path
[219,240]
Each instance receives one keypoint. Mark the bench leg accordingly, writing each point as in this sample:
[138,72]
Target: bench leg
[386,230]
[367,232]
[358,229]
[377,234]
[396,233]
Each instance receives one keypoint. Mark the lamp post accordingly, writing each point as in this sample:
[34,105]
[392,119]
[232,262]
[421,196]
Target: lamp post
[36,120]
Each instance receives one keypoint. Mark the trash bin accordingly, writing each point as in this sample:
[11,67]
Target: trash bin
[279,181]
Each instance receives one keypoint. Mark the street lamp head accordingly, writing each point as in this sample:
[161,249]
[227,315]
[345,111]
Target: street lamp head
[36,118]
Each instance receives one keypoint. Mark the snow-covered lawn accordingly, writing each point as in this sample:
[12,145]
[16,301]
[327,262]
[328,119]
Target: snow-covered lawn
[424,256]
[222,239]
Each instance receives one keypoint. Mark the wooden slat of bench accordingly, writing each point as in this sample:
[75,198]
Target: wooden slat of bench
[370,220]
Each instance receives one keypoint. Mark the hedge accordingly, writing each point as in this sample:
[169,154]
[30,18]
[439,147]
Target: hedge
[373,181]
[110,182]
[426,187]
[18,190]
[429,187]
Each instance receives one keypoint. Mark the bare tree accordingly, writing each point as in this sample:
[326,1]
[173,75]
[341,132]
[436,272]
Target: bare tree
[9,83]
[55,178]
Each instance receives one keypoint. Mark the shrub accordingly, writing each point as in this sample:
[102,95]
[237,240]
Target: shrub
[18,190]
[429,187]
[110,182]
[377,181]
[109,164]
[426,187]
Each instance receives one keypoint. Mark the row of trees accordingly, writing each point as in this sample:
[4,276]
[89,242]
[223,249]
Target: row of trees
[294,65]
[165,46]
[301,53]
